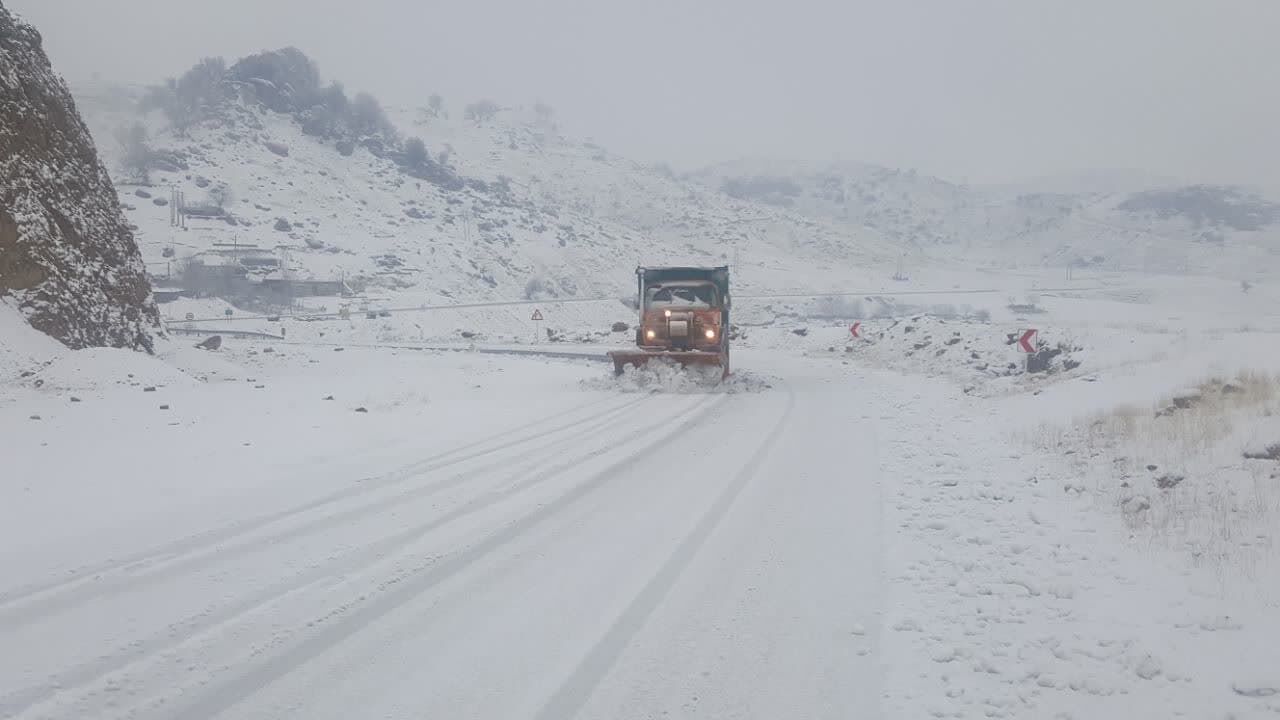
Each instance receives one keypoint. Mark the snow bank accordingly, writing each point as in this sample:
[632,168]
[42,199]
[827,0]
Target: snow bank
[22,347]
[1264,443]
[668,377]
[94,368]
[967,351]
[1020,585]
[199,364]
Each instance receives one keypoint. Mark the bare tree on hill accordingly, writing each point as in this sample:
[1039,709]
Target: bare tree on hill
[435,105]
[137,154]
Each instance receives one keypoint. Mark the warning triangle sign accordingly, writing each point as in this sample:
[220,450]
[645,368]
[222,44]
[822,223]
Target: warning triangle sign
[537,314]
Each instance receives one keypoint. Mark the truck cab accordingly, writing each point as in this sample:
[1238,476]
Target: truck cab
[684,316]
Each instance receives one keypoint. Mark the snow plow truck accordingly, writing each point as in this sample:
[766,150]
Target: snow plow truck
[684,318]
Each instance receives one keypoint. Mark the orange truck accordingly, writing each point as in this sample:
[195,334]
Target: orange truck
[684,318]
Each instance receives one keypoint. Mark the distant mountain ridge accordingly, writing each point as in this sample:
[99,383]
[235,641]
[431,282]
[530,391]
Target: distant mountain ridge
[1165,228]
[477,201]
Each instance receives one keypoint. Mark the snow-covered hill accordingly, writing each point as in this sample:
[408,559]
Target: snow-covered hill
[526,213]
[1120,224]
[506,207]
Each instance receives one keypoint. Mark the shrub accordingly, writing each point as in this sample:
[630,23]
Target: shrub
[165,98]
[204,86]
[283,79]
[368,117]
[481,111]
[415,152]
[327,113]
[772,190]
[137,154]
[221,195]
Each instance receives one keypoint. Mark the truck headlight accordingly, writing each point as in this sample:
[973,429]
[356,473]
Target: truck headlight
[650,334]
[711,334]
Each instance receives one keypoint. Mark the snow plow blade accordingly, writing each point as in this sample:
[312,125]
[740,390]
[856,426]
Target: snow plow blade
[640,358]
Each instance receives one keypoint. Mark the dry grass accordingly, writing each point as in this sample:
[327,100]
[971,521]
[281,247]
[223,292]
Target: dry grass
[1176,472]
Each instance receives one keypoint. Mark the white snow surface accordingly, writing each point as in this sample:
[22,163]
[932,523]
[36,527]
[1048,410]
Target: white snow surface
[22,348]
[352,525]
[462,514]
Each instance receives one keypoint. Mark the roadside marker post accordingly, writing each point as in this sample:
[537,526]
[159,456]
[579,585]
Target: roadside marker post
[1027,348]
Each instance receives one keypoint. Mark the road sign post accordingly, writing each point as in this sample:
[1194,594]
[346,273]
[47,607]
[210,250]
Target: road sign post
[537,325]
[856,329]
[1027,347]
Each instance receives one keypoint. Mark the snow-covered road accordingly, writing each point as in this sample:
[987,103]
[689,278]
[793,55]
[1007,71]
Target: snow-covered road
[307,531]
[625,556]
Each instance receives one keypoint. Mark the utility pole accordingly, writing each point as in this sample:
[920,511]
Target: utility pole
[466,226]
[177,218]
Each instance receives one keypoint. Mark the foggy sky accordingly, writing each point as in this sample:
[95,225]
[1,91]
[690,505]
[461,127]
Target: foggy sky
[983,90]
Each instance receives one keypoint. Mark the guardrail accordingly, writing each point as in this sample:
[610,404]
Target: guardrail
[480,349]
[228,333]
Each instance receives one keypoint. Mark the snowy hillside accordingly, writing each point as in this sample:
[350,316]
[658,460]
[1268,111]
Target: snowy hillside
[501,205]
[519,211]
[774,247]
[1118,225]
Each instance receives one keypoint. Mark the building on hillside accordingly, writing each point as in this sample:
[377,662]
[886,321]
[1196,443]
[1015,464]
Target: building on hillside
[214,274]
[164,294]
[279,288]
[253,273]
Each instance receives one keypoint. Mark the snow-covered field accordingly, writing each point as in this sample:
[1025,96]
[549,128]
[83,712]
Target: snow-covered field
[341,524]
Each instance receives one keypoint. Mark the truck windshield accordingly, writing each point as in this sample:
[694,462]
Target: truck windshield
[686,296]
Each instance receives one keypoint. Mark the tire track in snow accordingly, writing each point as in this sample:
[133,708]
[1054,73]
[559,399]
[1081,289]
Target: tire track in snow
[343,622]
[180,632]
[34,601]
[573,694]
[187,629]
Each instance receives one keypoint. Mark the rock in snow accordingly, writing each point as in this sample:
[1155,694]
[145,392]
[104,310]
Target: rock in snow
[66,254]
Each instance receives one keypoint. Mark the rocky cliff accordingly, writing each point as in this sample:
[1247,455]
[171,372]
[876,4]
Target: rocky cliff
[66,254]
